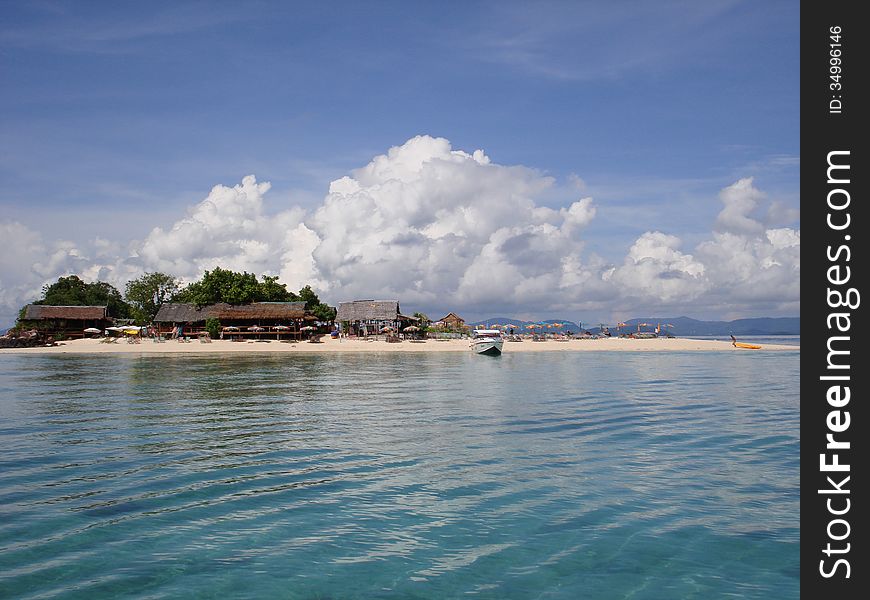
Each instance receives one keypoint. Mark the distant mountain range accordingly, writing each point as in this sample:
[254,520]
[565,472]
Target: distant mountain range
[680,326]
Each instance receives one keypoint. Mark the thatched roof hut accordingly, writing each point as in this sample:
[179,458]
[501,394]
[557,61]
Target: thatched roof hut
[259,312]
[45,312]
[368,310]
[181,313]
[69,321]
[374,313]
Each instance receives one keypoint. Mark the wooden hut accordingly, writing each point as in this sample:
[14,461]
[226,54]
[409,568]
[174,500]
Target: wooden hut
[185,315]
[368,317]
[66,321]
[271,318]
[452,322]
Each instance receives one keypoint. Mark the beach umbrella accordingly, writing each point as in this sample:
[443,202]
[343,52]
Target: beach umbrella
[231,328]
[386,328]
[280,328]
[307,328]
[255,328]
[93,330]
[411,328]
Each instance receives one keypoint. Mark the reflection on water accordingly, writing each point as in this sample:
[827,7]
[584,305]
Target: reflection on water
[558,474]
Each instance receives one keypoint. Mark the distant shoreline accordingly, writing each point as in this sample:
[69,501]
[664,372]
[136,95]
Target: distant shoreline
[328,345]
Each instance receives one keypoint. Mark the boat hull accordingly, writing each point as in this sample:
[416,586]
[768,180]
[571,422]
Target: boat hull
[747,346]
[493,349]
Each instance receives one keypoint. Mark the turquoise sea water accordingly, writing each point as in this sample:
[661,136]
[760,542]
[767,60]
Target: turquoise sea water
[532,475]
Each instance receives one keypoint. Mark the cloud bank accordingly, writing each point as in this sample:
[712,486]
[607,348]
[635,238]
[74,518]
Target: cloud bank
[442,229]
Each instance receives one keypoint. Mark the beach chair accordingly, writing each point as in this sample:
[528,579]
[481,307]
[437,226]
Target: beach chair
[205,339]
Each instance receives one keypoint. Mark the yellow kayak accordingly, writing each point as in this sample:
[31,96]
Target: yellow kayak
[749,346]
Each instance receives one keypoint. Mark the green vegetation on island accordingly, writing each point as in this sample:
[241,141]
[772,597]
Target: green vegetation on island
[144,295]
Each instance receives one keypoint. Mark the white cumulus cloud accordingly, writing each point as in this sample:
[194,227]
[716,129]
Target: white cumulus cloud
[428,223]
[655,270]
[741,199]
[27,262]
[443,229]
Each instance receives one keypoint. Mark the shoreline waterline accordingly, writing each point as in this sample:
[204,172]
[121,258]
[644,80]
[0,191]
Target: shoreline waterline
[329,345]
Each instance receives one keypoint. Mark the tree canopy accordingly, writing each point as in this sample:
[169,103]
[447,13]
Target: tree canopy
[322,311]
[223,285]
[146,293]
[72,291]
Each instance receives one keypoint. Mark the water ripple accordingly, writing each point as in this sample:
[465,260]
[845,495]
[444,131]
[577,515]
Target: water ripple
[558,476]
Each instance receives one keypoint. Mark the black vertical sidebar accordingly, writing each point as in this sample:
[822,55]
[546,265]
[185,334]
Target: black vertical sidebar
[834,172]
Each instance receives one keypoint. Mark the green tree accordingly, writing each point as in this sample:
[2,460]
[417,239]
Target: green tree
[223,285]
[146,293]
[322,311]
[272,291]
[213,326]
[72,291]
[309,296]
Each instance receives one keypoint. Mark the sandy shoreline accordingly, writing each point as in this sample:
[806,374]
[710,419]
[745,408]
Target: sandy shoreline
[92,346]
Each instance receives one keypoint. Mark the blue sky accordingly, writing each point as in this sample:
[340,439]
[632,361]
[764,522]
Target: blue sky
[119,117]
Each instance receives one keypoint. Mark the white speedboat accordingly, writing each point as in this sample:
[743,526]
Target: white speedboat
[487,341]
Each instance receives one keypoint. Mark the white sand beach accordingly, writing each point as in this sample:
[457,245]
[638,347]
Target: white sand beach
[146,346]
